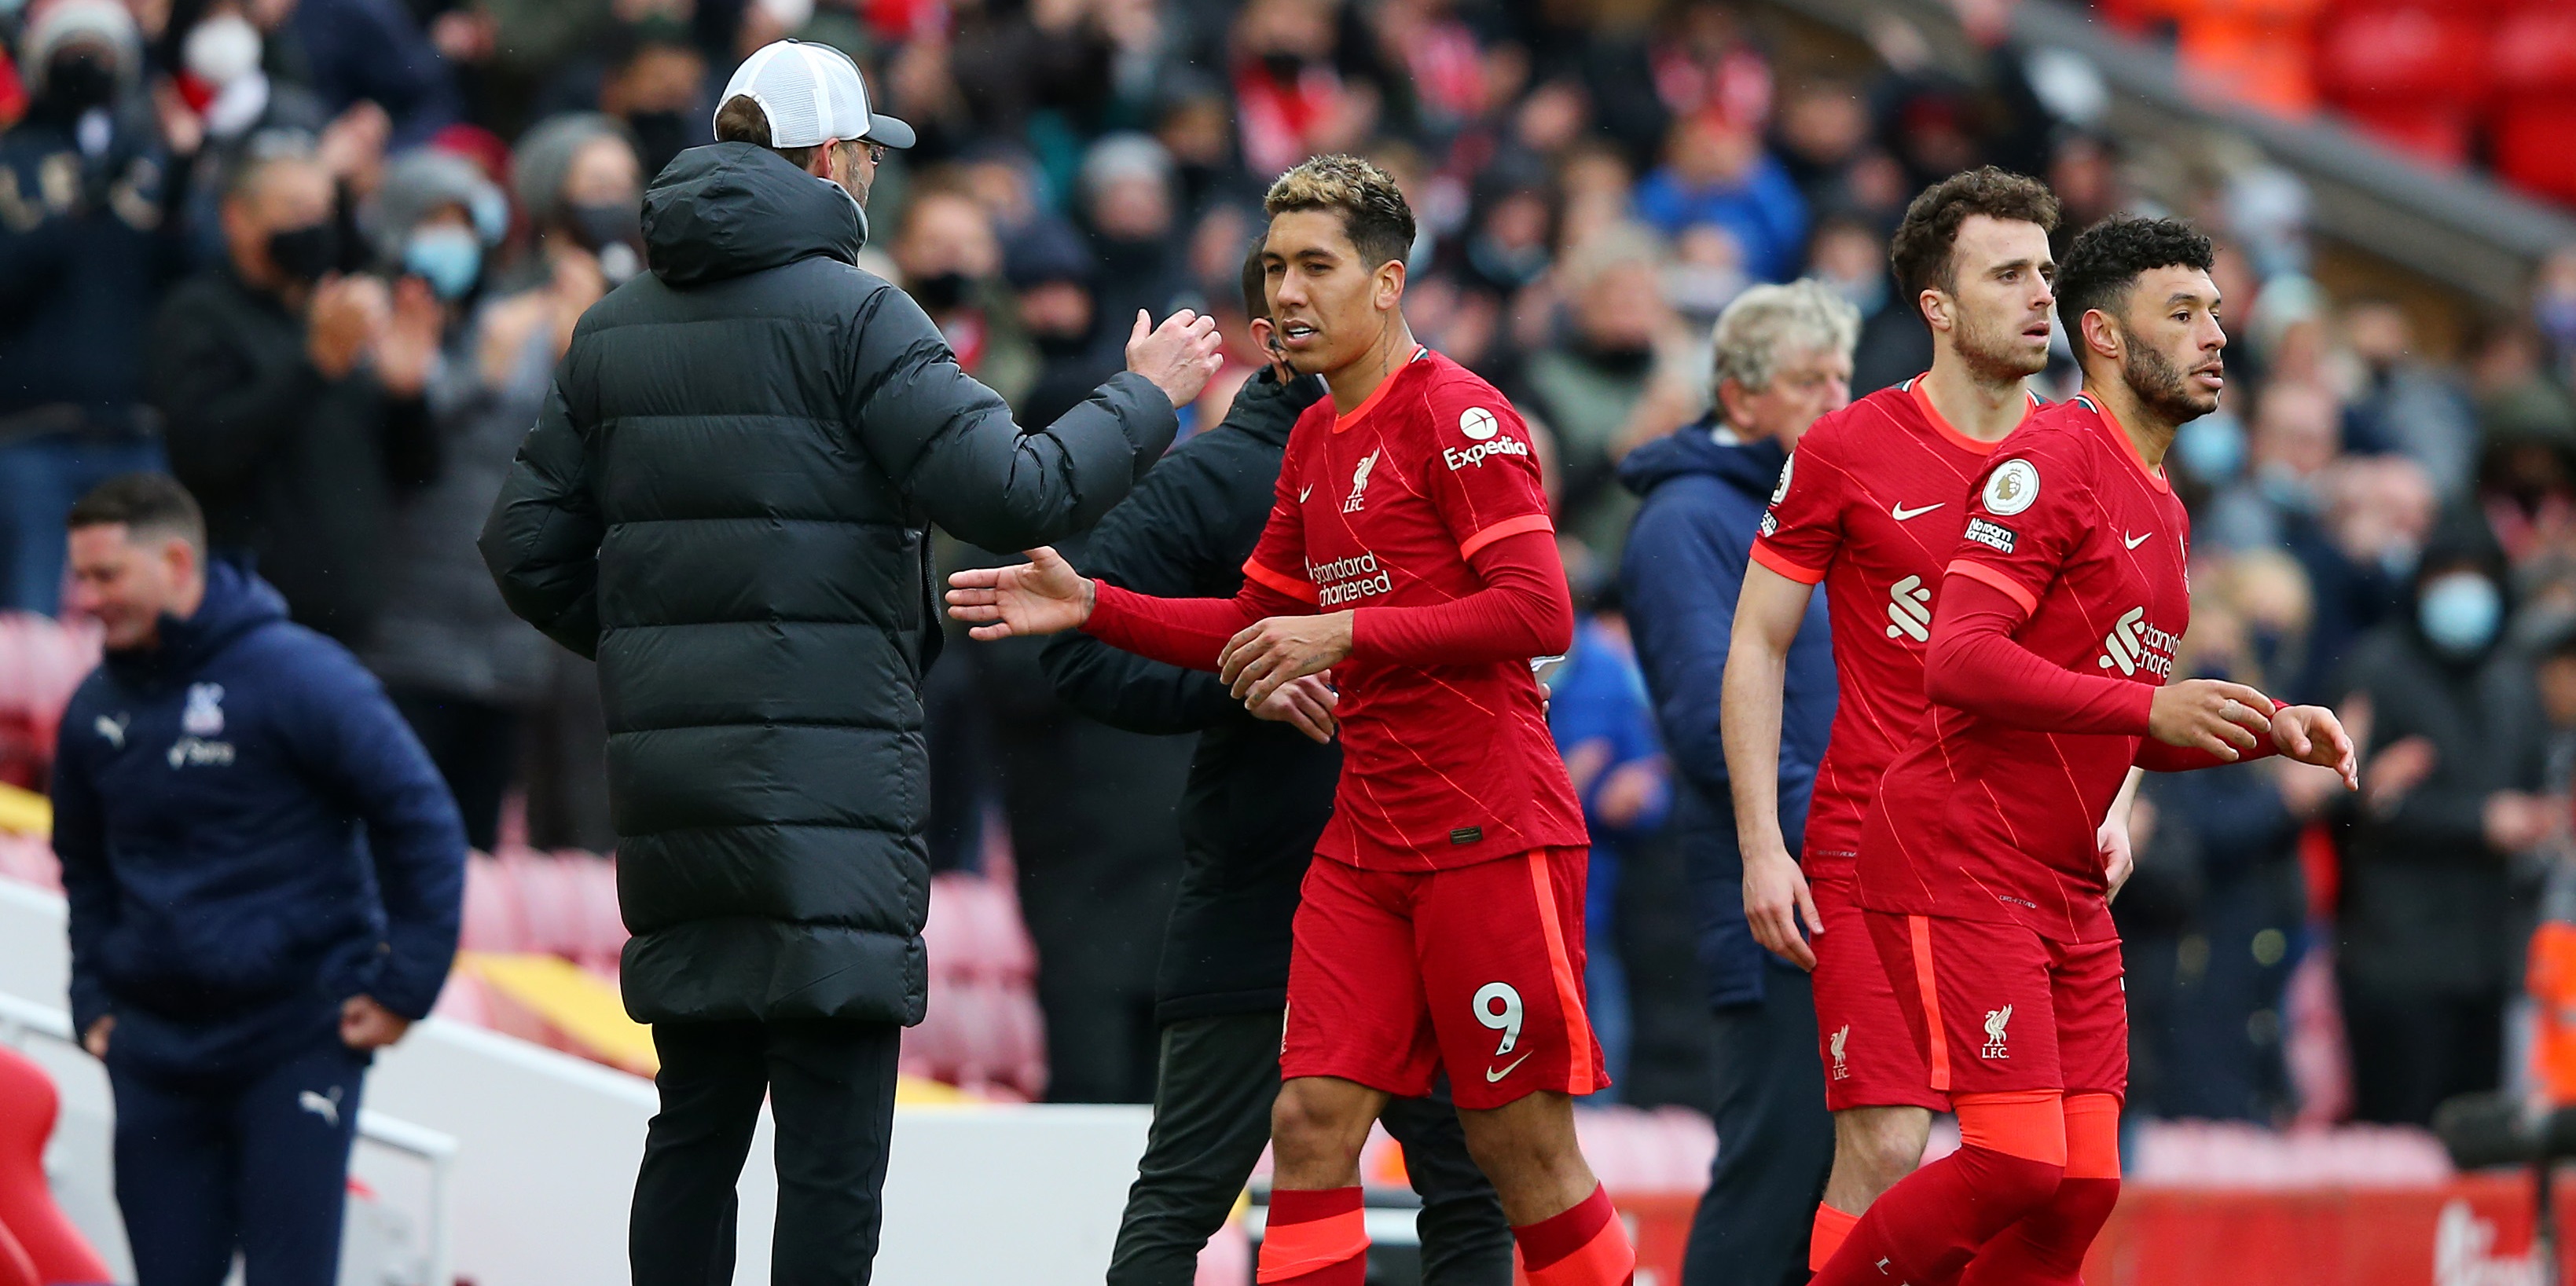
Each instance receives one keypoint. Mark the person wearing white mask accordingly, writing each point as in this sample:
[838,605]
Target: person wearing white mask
[2454,752]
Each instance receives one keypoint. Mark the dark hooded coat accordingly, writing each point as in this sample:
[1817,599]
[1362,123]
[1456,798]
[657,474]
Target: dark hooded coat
[726,502]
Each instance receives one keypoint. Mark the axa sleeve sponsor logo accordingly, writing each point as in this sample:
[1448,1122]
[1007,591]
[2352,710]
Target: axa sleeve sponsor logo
[1994,536]
[1345,580]
[1909,610]
[2134,645]
[2011,488]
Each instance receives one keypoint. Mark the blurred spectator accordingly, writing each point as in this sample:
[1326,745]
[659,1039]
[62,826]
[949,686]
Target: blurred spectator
[652,78]
[458,665]
[291,397]
[226,103]
[578,185]
[1589,390]
[1605,727]
[248,932]
[1715,172]
[2084,172]
[1289,96]
[85,248]
[952,267]
[1127,202]
[2404,404]
[2453,740]
[1050,275]
[349,51]
[1895,346]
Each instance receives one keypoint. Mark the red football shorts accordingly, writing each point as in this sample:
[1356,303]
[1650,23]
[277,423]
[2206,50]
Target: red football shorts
[1396,974]
[1869,1054]
[1996,1007]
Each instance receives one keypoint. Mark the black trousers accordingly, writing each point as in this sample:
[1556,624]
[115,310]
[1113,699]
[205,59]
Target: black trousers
[831,1092]
[2411,1050]
[476,748]
[1217,1078]
[1775,1141]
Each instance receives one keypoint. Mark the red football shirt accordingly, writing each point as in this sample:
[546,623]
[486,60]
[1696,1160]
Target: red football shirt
[1442,765]
[1871,504]
[1982,820]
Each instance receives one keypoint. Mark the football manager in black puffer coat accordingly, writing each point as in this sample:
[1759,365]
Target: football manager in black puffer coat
[726,502]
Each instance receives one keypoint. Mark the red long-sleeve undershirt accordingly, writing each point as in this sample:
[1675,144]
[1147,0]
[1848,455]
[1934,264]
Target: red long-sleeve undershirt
[1523,611]
[1974,663]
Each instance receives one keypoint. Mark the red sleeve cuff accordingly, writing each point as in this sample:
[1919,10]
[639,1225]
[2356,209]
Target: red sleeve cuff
[1764,554]
[1294,587]
[1507,527]
[1985,575]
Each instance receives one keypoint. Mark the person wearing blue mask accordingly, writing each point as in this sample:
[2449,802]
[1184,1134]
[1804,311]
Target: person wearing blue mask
[458,665]
[2429,931]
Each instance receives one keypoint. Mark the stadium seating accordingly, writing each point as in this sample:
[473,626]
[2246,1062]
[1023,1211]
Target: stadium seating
[2534,128]
[2412,75]
[53,1248]
[41,662]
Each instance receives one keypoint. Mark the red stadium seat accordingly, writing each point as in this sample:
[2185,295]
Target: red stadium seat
[2534,130]
[491,916]
[2411,76]
[53,1248]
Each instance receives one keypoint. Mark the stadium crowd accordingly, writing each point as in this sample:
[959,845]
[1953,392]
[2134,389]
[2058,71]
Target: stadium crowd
[318,258]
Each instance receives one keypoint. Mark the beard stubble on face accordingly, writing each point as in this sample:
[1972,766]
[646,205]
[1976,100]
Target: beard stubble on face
[1991,345]
[2161,385]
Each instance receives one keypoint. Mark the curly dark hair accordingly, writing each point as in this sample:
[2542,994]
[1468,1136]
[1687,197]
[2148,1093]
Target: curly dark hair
[1920,252]
[1373,209]
[2106,260]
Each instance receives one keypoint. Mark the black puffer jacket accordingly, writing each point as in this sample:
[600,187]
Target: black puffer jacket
[726,502]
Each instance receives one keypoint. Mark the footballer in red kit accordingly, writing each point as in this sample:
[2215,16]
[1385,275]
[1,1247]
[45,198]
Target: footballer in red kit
[2048,676]
[1870,506]
[1409,554]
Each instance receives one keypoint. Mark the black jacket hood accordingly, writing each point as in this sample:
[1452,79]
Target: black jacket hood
[1750,467]
[731,209]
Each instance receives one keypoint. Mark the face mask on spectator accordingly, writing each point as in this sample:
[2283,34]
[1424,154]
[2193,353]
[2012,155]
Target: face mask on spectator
[222,49]
[2460,611]
[659,136]
[940,292]
[601,225]
[2211,447]
[78,81]
[305,253]
[448,257]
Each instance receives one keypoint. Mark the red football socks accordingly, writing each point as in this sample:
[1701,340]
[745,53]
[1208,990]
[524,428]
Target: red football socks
[1924,1231]
[1314,1238]
[1832,1227]
[2046,1248]
[1583,1246]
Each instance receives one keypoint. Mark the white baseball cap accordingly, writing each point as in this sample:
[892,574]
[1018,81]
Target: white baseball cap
[812,94]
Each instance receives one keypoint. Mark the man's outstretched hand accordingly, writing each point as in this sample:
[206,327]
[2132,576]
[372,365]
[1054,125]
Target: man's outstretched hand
[1041,596]
[2312,735]
[1304,704]
[1269,653]
[1179,356]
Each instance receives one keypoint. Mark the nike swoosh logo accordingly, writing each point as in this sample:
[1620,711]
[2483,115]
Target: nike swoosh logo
[1493,1074]
[1903,514]
[1301,492]
[2135,541]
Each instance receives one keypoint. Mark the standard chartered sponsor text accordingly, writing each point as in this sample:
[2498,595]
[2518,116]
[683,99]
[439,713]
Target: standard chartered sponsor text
[1345,579]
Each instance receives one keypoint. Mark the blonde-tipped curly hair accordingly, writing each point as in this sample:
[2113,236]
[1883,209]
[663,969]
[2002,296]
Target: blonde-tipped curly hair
[1374,213]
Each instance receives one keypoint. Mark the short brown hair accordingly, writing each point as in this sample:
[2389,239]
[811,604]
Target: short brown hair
[1374,213]
[1256,284]
[143,503]
[740,120]
[1921,251]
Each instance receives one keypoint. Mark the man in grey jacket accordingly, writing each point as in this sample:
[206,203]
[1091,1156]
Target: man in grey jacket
[726,501]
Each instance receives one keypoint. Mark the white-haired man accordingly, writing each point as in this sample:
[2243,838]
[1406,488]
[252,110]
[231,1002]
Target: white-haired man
[1784,358]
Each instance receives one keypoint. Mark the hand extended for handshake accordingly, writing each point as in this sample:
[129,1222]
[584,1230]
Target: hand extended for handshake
[1180,356]
[1280,667]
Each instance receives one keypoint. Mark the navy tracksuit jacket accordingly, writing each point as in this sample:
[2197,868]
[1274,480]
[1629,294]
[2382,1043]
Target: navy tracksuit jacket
[249,836]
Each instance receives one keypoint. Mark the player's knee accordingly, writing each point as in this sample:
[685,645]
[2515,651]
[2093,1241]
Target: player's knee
[1313,1126]
[1881,1159]
[2009,1183]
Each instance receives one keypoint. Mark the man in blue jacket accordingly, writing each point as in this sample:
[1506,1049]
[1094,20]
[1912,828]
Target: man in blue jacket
[1783,358]
[265,876]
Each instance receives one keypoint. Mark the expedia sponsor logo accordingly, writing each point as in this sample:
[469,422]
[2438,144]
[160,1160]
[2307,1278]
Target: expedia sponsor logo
[2001,539]
[1346,579]
[1475,455]
[2133,645]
